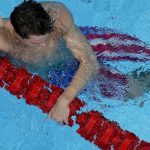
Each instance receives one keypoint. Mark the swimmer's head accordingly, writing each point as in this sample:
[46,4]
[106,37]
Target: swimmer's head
[30,18]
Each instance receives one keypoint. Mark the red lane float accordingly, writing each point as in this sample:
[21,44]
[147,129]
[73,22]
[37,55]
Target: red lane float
[93,125]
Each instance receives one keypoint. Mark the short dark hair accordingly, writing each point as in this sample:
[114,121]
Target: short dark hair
[30,18]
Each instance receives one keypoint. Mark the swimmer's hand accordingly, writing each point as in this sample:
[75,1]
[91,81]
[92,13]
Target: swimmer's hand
[60,111]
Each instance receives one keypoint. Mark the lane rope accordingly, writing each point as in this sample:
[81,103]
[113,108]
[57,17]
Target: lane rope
[93,126]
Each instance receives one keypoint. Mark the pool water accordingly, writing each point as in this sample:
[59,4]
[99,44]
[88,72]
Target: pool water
[24,127]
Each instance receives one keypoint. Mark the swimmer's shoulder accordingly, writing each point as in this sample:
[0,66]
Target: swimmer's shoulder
[55,9]
[51,4]
[60,13]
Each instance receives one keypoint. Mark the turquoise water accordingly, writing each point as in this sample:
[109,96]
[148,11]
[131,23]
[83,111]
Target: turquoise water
[25,127]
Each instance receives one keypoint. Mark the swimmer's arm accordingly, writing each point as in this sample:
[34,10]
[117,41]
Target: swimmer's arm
[82,51]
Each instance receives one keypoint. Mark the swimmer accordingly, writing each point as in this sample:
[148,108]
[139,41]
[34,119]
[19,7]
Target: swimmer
[31,34]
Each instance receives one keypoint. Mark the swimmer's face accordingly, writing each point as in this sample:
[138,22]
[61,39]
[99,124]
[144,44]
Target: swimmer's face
[36,40]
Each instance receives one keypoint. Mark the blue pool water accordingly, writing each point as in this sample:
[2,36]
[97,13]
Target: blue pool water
[25,127]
